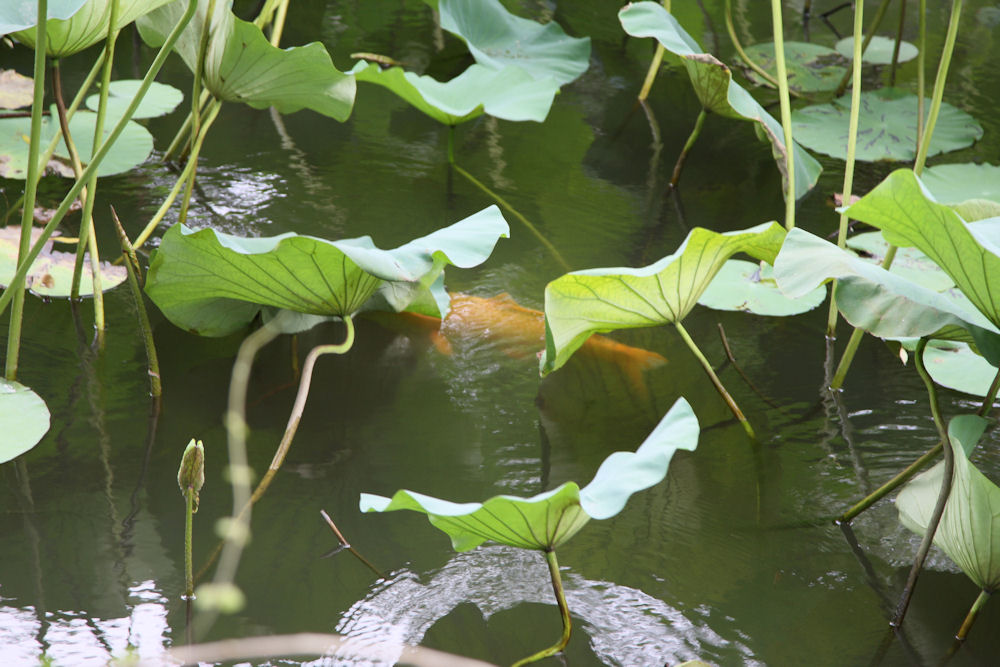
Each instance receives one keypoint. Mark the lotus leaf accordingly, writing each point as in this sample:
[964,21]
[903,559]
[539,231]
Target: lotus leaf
[159,100]
[24,419]
[242,66]
[16,16]
[909,263]
[87,27]
[879,51]
[549,519]
[51,273]
[887,127]
[957,366]
[750,287]
[213,283]
[16,91]
[957,183]
[969,531]
[811,68]
[583,303]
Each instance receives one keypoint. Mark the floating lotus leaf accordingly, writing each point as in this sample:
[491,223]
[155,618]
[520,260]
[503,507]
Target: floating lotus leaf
[16,91]
[159,100]
[51,273]
[87,27]
[242,66]
[750,287]
[498,39]
[957,366]
[20,15]
[583,303]
[957,183]
[811,68]
[887,127]
[879,51]
[131,148]
[714,85]
[510,93]
[969,531]
[909,263]
[212,283]
[549,519]
[24,419]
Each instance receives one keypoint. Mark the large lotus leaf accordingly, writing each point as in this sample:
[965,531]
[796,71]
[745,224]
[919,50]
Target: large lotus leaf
[24,419]
[956,366]
[22,14]
[583,303]
[878,301]
[16,90]
[550,519]
[159,100]
[51,273]
[908,216]
[714,85]
[887,127]
[956,183]
[909,263]
[242,66]
[510,93]
[811,68]
[969,531]
[879,51]
[213,283]
[750,287]
[499,39]
[87,27]
[131,148]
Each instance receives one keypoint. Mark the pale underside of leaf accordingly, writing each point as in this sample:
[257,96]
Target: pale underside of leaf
[24,419]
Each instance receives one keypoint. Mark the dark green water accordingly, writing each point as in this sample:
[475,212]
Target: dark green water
[733,560]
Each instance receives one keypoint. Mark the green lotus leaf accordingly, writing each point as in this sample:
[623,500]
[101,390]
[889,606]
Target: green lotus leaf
[498,39]
[909,217]
[24,419]
[583,303]
[714,85]
[86,27]
[880,302]
[957,183]
[549,519]
[750,287]
[879,51]
[51,273]
[811,68]
[510,93]
[212,283]
[969,531]
[131,148]
[159,100]
[242,66]
[957,366]
[16,91]
[909,263]
[887,127]
[16,16]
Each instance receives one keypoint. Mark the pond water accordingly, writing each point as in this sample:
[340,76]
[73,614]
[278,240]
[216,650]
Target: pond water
[733,560]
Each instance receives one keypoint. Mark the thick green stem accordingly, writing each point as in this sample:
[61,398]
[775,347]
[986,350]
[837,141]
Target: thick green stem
[510,209]
[24,258]
[786,112]
[942,499]
[876,22]
[180,142]
[939,81]
[567,622]
[970,618]
[715,380]
[899,41]
[695,133]
[991,396]
[17,282]
[654,66]
[279,23]
[731,29]
[921,65]
[891,485]
[188,525]
[196,135]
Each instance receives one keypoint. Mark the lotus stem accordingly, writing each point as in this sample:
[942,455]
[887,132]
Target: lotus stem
[899,41]
[135,285]
[17,282]
[188,530]
[939,80]
[279,23]
[921,61]
[347,545]
[24,258]
[942,499]
[876,22]
[695,133]
[786,112]
[891,485]
[196,135]
[654,65]
[731,29]
[567,622]
[716,381]
[970,618]
[991,396]
[181,139]
[514,212]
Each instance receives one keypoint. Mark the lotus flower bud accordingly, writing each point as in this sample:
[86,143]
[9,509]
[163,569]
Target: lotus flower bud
[191,474]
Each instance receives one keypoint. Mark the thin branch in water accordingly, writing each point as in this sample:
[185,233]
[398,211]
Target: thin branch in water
[746,378]
[347,545]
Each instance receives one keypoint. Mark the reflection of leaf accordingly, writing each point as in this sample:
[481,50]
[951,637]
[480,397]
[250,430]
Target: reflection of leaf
[583,303]
[749,287]
[879,51]
[24,419]
[550,519]
[213,283]
[159,100]
[16,91]
[714,85]
[811,68]
[887,127]
[969,531]
[51,273]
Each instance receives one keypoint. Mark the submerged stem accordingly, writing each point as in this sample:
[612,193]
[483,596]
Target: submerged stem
[567,622]
[695,133]
[970,618]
